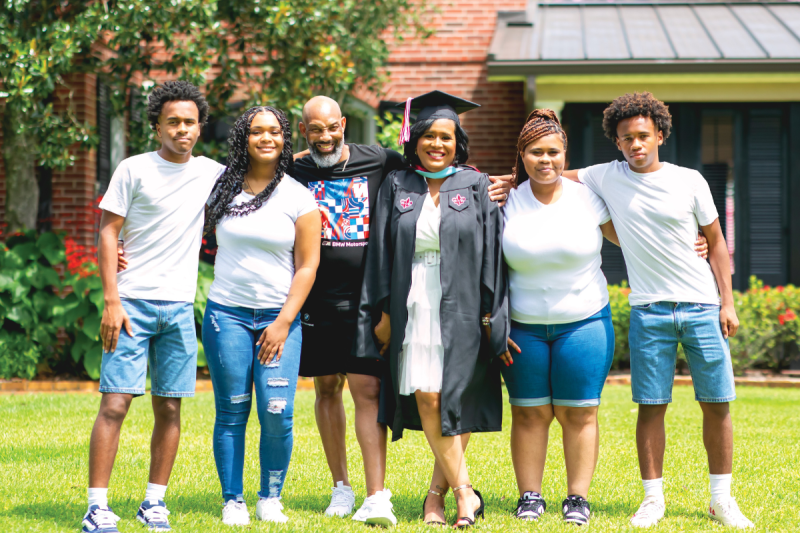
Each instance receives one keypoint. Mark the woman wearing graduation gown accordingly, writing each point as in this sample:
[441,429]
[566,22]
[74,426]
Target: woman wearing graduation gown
[434,299]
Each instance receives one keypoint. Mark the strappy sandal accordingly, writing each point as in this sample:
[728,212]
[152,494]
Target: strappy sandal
[438,523]
[478,512]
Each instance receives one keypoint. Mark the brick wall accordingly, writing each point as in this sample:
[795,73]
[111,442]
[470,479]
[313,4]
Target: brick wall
[454,60]
[73,188]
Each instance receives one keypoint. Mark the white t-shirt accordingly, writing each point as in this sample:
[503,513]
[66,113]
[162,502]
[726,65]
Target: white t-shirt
[163,205]
[254,266]
[553,255]
[656,216]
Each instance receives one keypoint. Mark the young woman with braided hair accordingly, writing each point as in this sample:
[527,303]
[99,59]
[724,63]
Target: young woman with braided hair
[562,338]
[268,231]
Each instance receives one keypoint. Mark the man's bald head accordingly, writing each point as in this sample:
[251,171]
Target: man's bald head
[323,127]
[321,108]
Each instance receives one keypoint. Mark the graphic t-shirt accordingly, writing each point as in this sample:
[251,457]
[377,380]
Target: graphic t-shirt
[656,216]
[553,255]
[254,266]
[345,194]
[163,204]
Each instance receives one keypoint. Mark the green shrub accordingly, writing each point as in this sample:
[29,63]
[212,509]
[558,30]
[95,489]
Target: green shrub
[621,317]
[46,288]
[205,276]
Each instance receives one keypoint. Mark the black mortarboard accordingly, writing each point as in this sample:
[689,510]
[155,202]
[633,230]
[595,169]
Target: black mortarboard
[435,105]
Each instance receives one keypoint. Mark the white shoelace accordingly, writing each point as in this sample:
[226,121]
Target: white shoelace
[103,518]
[650,508]
[340,498]
[156,514]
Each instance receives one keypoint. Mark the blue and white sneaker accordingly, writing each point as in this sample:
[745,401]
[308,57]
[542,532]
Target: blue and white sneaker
[154,514]
[100,520]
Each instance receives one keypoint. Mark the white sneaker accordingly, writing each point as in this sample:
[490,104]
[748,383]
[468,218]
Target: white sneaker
[342,500]
[269,510]
[380,510]
[363,511]
[650,512]
[235,514]
[726,510]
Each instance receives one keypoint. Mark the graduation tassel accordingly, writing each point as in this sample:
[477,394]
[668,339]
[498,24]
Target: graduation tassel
[405,129]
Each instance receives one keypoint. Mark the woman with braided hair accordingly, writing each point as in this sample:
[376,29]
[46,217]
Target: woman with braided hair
[268,230]
[562,338]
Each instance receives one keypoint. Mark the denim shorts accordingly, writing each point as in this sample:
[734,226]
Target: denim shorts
[560,364]
[655,331]
[165,339]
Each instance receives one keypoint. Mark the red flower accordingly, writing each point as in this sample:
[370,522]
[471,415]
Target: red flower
[779,288]
[782,319]
[789,315]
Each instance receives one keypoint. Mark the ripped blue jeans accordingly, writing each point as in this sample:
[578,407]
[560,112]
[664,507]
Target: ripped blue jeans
[229,339]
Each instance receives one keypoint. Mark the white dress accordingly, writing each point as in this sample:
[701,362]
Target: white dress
[422,356]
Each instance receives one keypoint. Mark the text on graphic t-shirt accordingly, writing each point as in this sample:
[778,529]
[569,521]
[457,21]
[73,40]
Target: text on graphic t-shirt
[345,194]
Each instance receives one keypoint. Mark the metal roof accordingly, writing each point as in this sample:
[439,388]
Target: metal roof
[565,36]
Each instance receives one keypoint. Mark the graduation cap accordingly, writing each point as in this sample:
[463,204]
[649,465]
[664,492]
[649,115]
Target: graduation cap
[435,105]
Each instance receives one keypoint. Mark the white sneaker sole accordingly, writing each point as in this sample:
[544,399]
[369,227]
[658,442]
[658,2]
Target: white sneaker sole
[340,514]
[383,521]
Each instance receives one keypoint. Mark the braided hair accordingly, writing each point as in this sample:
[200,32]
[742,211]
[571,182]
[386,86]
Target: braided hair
[229,185]
[540,123]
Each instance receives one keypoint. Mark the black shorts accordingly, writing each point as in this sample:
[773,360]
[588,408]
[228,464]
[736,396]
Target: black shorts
[328,337]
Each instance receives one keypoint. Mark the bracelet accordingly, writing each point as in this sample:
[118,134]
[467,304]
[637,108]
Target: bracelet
[485,321]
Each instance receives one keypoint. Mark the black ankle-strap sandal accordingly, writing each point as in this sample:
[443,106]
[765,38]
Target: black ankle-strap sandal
[478,512]
[438,523]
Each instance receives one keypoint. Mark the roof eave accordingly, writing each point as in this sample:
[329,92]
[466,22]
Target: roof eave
[523,68]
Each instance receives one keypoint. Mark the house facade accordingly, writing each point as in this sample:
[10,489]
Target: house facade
[729,71]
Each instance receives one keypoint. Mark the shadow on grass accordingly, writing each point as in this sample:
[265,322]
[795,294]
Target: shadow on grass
[62,513]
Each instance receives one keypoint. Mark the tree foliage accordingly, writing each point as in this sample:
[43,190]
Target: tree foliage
[243,52]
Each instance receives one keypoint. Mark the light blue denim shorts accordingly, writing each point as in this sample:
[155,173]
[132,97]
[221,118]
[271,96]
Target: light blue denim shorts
[655,331]
[165,339]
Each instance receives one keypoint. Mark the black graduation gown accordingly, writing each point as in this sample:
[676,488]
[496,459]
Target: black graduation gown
[474,283]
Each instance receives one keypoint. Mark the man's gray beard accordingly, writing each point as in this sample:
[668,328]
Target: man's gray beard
[326,160]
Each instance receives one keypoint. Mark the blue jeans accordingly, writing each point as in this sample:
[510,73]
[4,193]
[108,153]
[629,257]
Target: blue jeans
[165,339]
[562,364]
[229,338]
[655,331]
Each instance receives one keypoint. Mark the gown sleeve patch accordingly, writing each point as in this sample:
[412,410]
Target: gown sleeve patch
[404,201]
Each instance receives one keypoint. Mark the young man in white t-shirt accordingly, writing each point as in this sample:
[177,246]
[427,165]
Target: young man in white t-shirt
[155,204]
[675,296]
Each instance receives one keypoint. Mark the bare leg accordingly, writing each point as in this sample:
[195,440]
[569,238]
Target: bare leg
[529,435]
[718,437]
[105,437]
[448,452]
[581,446]
[331,422]
[651,440]
[166,437]
[371,435]
[434,505]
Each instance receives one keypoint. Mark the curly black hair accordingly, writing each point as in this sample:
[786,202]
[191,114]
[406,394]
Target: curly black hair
[229,184]
[175,91]
[634,105]
[418,130]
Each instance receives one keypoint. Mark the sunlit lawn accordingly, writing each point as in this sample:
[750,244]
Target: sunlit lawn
[44,441]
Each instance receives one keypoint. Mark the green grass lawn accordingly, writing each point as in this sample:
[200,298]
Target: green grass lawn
[44,442]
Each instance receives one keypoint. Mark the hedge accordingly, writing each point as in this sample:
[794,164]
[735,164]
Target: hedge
[51,304]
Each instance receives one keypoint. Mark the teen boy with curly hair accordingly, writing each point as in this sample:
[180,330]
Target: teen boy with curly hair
[155,202]
[676,297]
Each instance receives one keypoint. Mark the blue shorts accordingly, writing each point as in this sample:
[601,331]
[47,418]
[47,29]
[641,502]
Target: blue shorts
[163,336]
[655,331]
[562,364]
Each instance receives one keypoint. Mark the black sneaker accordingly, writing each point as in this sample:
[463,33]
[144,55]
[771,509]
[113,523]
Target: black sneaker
[530,506]
[576,510]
